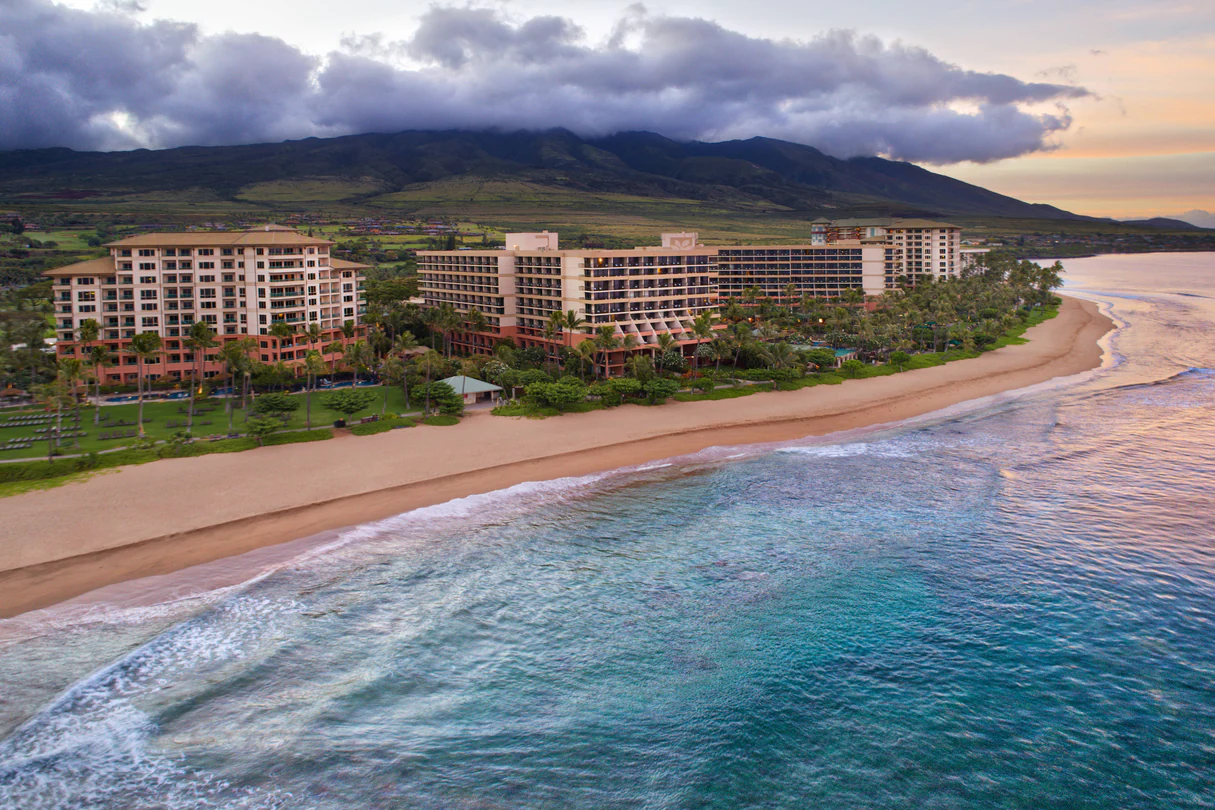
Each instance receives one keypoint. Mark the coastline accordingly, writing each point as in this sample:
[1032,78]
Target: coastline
[162,517]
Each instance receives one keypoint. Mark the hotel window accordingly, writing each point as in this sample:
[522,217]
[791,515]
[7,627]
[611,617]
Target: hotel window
[206,293]
[229,278]
[207,305]
[170,252]
[227,265]
[148,307]
[206,265]
[170,279]
[151,322]
[170,265]
[87,307]
[206,279]
[147,265]
[86,295]
[186,278]
[146,252]
[185,265]
[148,295]
[110,280]
[124,265]
[147,279]
[211,319]
[124,253]
[85,280]
[206,252]
[226,252]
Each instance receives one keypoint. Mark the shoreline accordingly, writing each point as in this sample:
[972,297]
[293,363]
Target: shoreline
[159,518]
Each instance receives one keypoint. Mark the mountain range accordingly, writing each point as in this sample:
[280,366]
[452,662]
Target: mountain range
[749,174]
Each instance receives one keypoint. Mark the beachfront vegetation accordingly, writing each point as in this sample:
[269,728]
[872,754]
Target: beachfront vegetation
[755,345]
[761,344]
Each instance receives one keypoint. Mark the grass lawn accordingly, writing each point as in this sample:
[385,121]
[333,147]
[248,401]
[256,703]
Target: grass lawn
[159,414]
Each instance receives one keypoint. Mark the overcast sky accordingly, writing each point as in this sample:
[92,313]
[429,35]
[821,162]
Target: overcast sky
[1099,107]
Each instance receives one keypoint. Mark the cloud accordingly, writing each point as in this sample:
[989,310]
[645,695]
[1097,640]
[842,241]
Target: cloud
[103,79]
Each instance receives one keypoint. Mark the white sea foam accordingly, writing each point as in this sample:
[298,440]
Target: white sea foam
[89,747]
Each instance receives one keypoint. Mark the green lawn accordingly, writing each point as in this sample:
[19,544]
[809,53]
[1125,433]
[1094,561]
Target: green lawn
[158,414]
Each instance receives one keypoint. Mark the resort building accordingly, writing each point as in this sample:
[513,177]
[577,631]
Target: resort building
[640,292]
[645,292]
[240,283]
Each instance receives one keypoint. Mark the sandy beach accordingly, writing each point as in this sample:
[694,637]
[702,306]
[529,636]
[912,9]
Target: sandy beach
[168,515]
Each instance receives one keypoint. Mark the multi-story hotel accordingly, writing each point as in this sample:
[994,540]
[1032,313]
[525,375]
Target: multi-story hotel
[642,292]
[648,291]
[240,283]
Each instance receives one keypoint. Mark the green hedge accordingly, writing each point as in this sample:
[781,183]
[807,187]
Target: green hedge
[381,426]
[441,420]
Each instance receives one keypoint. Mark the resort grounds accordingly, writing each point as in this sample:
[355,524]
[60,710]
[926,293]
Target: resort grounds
[163,516]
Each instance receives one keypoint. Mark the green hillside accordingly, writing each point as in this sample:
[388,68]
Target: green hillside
[483,174]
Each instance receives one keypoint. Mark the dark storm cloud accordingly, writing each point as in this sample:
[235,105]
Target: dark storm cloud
[102,79]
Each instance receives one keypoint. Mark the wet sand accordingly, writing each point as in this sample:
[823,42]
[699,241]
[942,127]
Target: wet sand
[168,515]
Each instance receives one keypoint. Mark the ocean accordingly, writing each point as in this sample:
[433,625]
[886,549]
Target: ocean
[1008,605]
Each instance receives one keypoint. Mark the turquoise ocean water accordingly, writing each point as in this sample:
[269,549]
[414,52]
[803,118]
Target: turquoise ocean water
[1006,606]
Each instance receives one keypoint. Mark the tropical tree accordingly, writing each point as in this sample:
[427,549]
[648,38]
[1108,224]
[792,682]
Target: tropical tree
[333,350]
[426,365]
[314,365]
[146,347]
[235,359]
[71,372]
[402,346]
[392,371]
[900,358]
[358,355]
[702,328]
[573,322]
[666,343]
[349,401]
[98,359]
[605,341]
[199,339]
[260,427]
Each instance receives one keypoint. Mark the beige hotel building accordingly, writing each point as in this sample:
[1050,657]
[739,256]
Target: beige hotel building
[646,291]
[240,283]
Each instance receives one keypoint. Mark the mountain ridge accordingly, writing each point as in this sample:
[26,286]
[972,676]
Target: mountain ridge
[752,172]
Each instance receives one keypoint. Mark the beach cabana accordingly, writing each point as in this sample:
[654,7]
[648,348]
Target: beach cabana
[473,390]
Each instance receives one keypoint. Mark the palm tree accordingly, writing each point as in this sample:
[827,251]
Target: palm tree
[281,331]
[197,341]
[553,327]
[666,343]
[234,358]
[146,347]
[392,370]
[358,355]
[605,341]
[404,344]
[702,329]
[333,350]
[426,364]
[313,335]
[573,322]
[314,364]
[585,352]
[71,371]
[475,321]
[89,331]
[348,329]
[99,358]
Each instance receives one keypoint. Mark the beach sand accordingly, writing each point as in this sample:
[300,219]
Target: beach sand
[161,517]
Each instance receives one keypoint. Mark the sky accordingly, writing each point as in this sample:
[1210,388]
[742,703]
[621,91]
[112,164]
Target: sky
[1104,108]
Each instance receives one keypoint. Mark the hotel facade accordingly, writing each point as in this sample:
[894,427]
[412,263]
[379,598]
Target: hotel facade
[644,292]
[239,283]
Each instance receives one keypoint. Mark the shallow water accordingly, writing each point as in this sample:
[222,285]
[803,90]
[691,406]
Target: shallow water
[1007,607]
